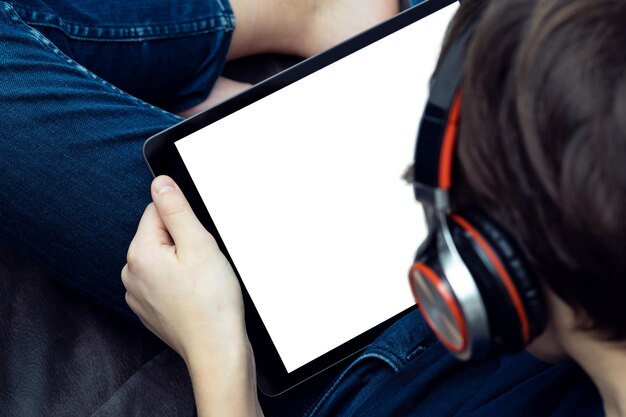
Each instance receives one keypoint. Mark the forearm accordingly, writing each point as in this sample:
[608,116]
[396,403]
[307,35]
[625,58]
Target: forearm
[226,385]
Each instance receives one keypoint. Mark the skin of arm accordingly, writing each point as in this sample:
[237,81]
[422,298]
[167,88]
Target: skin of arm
[184,290]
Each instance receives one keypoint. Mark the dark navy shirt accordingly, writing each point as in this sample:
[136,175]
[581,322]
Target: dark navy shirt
[406,372]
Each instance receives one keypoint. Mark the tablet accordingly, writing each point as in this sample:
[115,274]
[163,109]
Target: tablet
[300,181]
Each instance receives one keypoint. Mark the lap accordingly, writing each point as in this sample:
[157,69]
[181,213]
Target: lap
[74,181]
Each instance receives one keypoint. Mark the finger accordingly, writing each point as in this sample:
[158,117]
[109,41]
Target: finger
[151,228]
[175,212]
[130,280]
[125,277]
[132,302]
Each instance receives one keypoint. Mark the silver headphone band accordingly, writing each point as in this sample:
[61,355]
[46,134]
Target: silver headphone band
[466,292]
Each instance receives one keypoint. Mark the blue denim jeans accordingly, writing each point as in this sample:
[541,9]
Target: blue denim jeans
[74,181]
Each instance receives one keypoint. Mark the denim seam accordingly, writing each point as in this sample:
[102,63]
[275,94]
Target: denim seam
[387,356]
[9,12]
[127,32]
[14,17]
[315,408]
[385,398]
[221,4]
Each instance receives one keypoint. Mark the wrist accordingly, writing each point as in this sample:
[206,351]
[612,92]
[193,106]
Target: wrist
[224,384]
[217,356]
[227,344]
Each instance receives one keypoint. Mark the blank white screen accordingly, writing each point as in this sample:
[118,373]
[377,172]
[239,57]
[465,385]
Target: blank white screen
[305,189]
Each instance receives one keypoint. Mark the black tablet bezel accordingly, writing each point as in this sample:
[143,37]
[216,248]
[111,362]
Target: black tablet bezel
[162,157]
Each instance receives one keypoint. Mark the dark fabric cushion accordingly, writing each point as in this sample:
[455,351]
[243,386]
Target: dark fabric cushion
[61,355]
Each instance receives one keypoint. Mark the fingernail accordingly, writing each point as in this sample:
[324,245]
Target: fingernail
[163,185]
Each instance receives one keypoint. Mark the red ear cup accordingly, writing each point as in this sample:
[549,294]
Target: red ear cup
[513,309]
[512,300]
[439,307]
[436,300]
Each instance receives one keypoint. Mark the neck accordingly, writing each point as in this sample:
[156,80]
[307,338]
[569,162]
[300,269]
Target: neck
[605,363]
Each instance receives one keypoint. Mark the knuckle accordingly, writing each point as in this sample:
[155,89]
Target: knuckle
[129,300]
[132,247]
[133,260]
[124,275]
[209,240]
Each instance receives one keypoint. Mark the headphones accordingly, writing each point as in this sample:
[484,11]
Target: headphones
[470,279]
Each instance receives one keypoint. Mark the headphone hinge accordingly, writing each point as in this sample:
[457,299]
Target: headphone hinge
[429,196]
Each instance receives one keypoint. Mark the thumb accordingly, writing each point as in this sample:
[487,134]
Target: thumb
[175,212]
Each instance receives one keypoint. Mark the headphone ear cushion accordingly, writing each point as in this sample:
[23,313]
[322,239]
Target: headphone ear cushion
[512,298]
[436,300]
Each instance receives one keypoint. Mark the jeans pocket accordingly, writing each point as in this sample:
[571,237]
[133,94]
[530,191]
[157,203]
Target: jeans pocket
[391,352]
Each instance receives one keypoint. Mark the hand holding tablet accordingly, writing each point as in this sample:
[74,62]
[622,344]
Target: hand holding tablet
[299,180]
[187,294]
[186,291]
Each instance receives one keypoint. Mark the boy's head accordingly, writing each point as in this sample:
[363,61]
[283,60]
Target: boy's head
[542,143]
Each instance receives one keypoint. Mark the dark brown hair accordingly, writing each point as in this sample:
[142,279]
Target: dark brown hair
[542,142]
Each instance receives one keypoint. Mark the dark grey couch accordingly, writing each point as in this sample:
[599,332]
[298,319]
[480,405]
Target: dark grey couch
[61,355]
